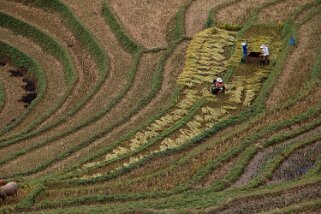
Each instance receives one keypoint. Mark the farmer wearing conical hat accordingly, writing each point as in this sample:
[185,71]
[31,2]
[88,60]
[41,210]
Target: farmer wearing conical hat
[218,86]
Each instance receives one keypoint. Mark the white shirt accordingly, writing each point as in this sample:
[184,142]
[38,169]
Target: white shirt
[265,51]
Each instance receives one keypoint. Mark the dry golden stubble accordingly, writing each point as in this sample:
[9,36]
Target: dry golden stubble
[146,21]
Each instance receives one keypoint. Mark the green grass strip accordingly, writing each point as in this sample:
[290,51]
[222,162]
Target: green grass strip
[83,34]
[126,41]
[273,189]
[176,27]
[30,199]
[315,72]
[210,22]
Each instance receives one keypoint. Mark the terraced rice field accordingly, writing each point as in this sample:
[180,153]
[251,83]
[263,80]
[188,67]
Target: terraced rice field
[105,106]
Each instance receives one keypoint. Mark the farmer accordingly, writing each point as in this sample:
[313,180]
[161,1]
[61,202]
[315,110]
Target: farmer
[218,86]
[264,54]
[244,55]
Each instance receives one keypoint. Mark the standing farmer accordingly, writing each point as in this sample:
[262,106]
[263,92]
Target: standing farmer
[244,55]
[265,54]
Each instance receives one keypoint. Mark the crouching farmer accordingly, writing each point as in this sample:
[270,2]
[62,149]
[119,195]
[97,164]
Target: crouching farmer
[218,86]
[10,189]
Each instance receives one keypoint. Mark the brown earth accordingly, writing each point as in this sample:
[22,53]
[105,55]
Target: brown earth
[197,15]
[298,163]
[218,173]
[146,20]
[13,91]
[238,13]
[278,13]
[305,12]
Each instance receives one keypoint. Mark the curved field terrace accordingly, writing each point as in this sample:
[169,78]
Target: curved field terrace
[106,106]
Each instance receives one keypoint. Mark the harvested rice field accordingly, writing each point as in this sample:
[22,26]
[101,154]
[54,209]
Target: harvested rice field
[119,107]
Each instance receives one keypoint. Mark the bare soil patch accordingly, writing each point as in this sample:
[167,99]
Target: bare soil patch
[238,13]
[280,12]
[197,15]
[146,20]
[299,63]
[298,163]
